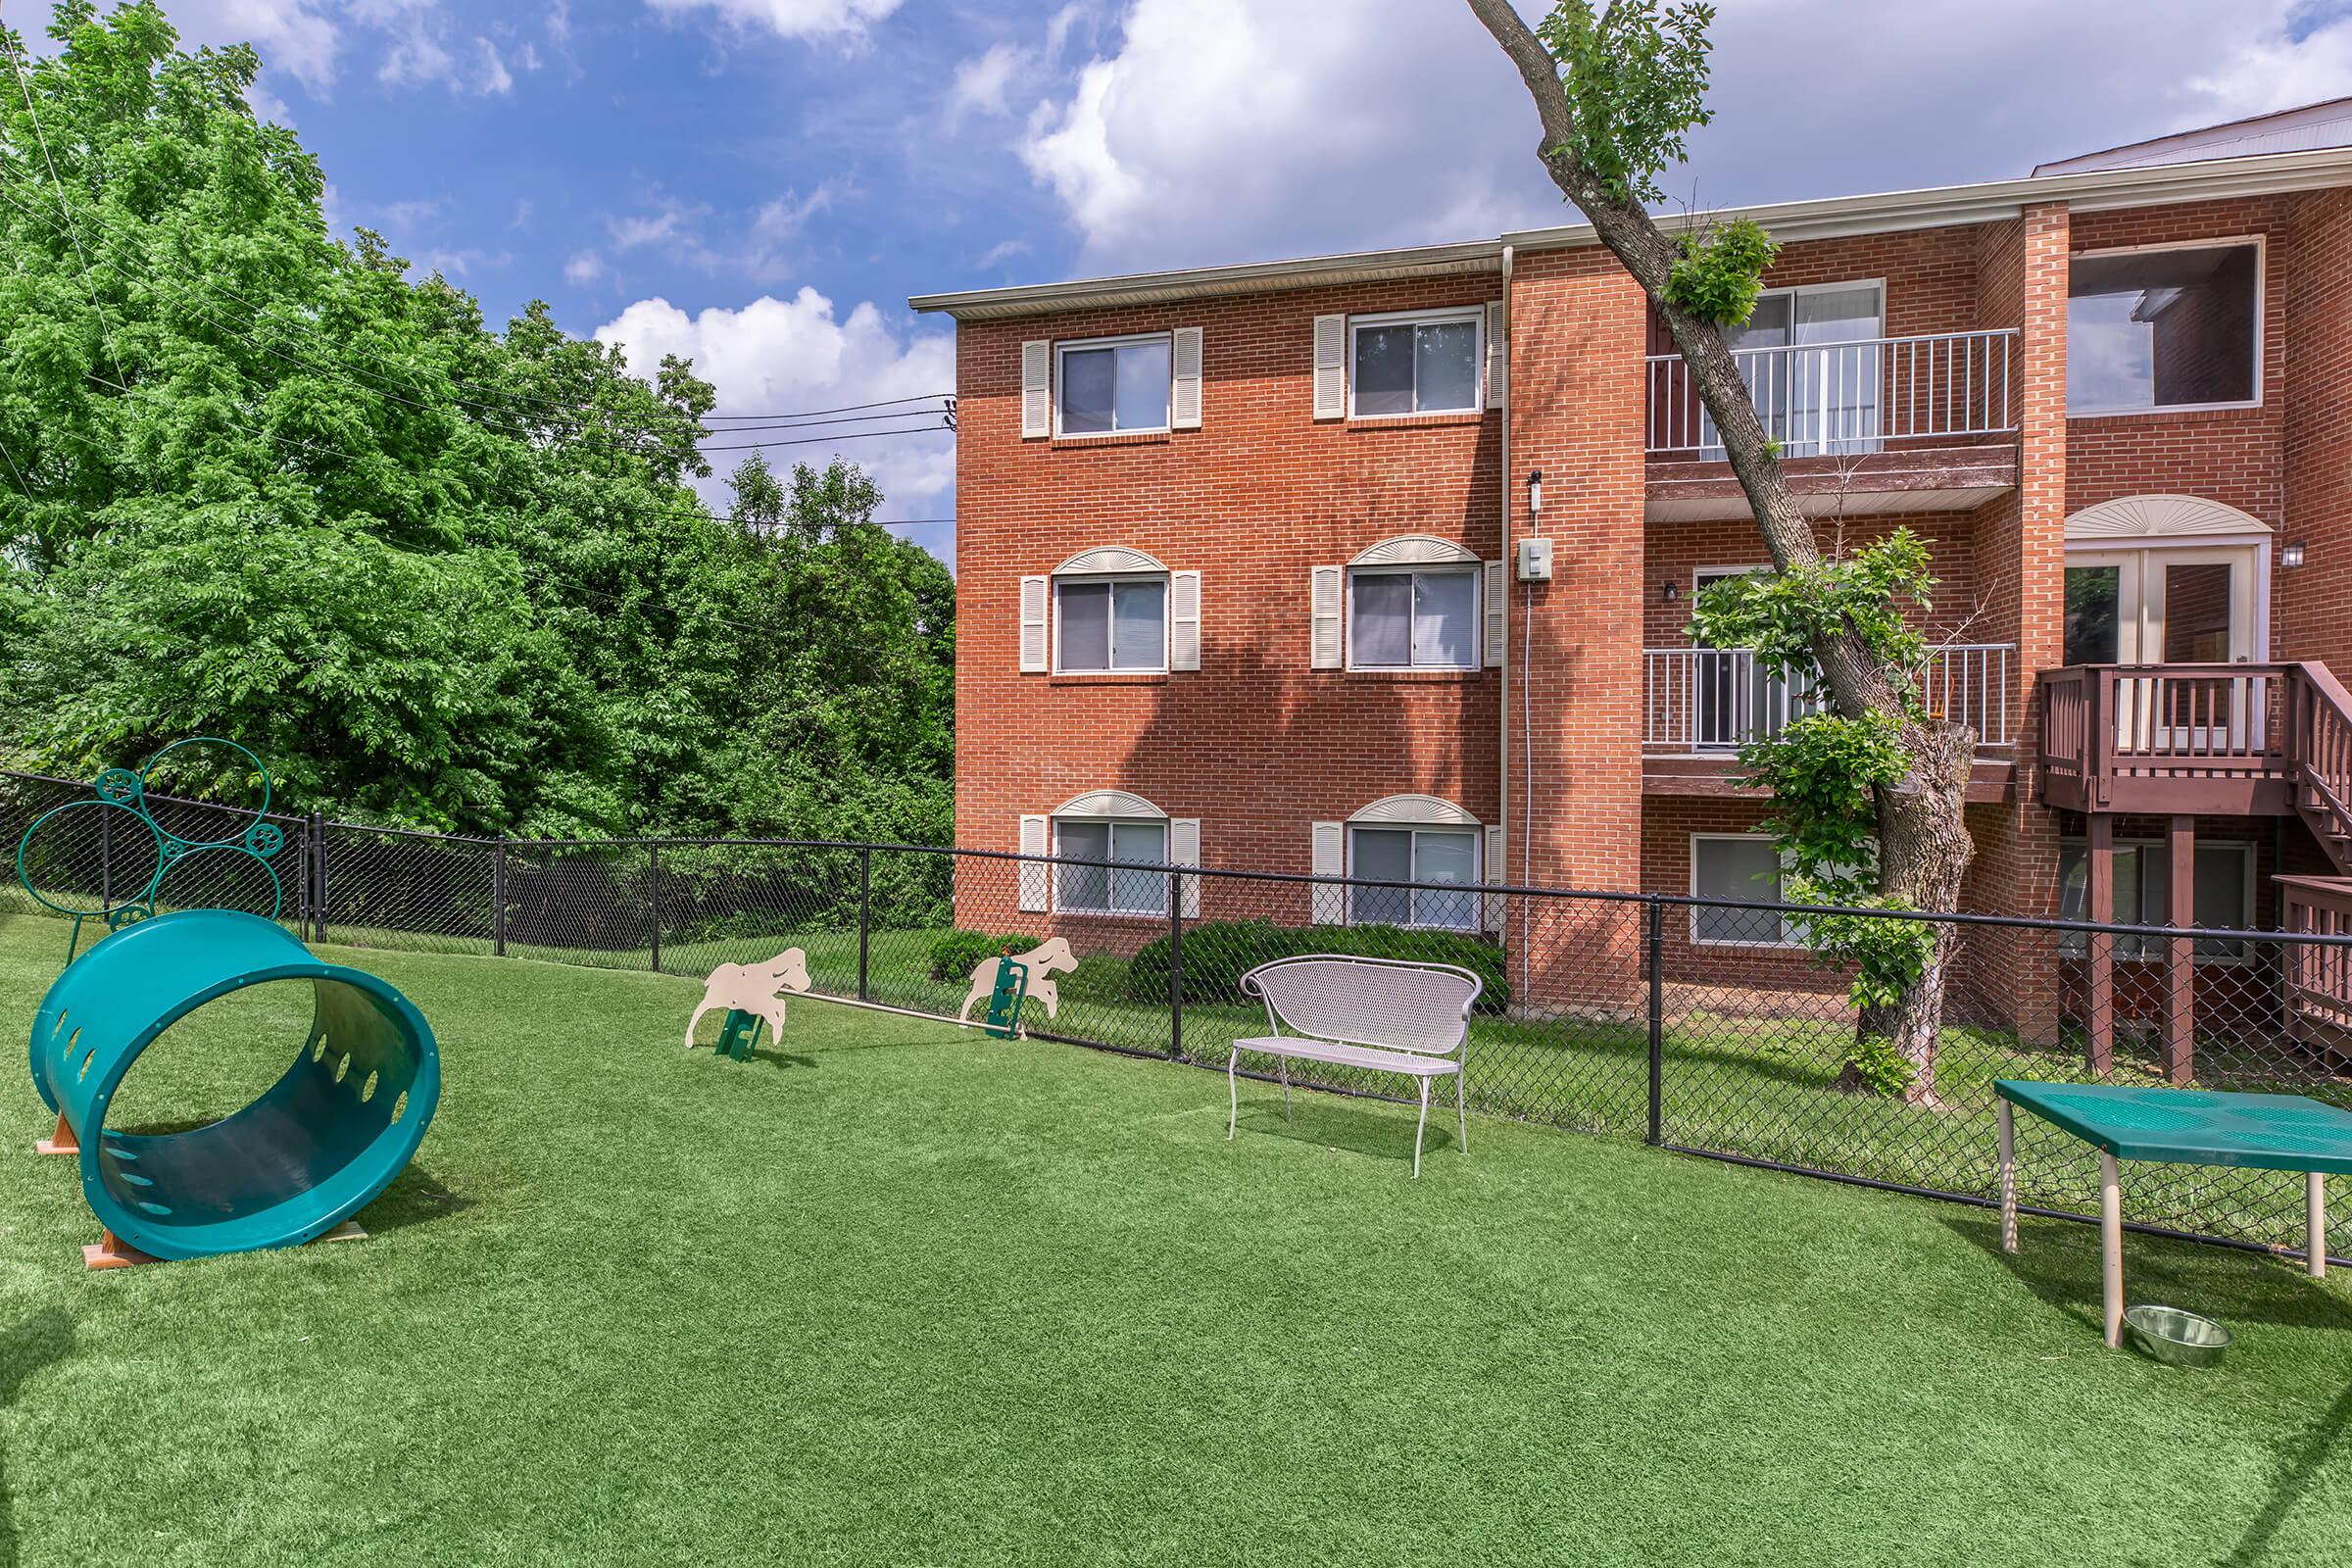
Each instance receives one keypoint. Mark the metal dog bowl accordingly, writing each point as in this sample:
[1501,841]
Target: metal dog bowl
[2176,1337]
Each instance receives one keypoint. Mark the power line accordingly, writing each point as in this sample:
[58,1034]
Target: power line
[820,440]
[846,408]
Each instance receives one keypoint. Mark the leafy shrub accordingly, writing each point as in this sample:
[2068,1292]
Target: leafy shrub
[1218,953]
[1879,1068]
[955,954]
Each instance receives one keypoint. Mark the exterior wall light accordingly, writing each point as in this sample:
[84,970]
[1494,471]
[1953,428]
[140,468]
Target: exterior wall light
[1535,493]
[2290,555]
[1671,589]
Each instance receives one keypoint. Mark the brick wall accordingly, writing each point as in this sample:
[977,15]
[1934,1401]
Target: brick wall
[1256,744]
[2313,603]
[2234,455]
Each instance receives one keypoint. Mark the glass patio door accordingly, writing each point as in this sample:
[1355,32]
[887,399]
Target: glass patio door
[2168,605]
[1813,364]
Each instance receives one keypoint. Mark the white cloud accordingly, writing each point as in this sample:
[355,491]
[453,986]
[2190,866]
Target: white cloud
[669,223]
[492,74]
[1004,249]
[982,83]
[1208,130]
[1220,129]
[585,266]
[784,355]
[792,19]
[296,37]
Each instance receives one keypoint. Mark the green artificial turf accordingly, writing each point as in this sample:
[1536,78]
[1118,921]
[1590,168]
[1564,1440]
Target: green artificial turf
[898,1294]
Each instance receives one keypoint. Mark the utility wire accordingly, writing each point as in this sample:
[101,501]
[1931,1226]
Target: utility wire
[820,440]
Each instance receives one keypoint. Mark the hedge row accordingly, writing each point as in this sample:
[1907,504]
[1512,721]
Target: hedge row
[1218,954]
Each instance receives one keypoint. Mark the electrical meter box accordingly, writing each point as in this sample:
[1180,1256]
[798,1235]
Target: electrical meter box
[1534,560]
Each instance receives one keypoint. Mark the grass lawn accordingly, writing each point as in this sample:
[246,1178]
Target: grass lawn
[898,1294]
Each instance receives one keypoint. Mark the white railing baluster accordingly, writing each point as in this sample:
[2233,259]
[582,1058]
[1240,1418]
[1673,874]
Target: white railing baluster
[1714,700]
[1802,393]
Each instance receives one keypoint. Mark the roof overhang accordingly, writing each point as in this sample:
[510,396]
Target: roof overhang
[1941,207]
[1212,282]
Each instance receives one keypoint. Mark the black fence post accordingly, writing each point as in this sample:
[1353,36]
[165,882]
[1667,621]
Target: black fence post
[866,916]
[1175,966]
[498,899]
[1657,1020]
[653,896]
[318,876]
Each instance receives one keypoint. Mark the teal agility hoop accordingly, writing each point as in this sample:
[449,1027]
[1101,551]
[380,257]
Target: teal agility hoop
[120,788]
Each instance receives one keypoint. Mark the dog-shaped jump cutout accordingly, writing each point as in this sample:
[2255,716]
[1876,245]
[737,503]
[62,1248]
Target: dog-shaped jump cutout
[1042,962]
[752,987]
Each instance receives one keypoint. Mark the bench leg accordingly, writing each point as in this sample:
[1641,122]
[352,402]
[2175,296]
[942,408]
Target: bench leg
[1421,1127]
[1286,1087]
[2314,1213]
[1461,1115]
[1233,1092]
[2111,1249]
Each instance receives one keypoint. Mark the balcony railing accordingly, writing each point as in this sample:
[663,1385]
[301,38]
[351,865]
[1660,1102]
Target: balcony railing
[1710,699]
[1849,399]
[2162,737]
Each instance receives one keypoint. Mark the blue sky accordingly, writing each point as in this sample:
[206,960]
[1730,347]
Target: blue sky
[760,183]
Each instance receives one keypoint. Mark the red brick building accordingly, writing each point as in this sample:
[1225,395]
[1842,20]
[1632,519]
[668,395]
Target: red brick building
[1247,575]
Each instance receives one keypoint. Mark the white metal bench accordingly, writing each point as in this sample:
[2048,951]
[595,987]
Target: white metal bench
[1386,1015]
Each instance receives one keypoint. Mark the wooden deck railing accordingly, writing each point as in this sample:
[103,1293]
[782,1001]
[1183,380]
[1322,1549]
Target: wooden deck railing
[2318,976]
[2179,738]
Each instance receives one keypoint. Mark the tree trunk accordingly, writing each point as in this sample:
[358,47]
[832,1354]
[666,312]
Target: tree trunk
[1924,847]
[1924,851]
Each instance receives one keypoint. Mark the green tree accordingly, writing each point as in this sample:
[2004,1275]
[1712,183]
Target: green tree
[1618,89]
[260,483]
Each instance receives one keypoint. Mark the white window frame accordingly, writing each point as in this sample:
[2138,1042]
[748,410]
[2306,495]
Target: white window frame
[1054,587]
[1478,874]
[1791,935]
[1475,314]
[1474,571]
[1167,841]
[2262,292]
[1081,344]
[2072,944]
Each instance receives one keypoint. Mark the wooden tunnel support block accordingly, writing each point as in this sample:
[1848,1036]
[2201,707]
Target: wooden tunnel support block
[60,1142]
[112,1251]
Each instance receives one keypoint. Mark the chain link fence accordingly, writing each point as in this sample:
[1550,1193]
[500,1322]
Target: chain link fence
[1701,1025]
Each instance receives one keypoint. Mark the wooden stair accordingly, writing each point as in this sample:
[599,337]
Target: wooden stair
[2318,978]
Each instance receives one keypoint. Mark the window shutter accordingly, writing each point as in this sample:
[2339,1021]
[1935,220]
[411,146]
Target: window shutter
[1499,604]
[1496,869]
[1498,359]
[1036,604]
[1331,367]
[1184,405]
[1184,620]
[1037,389]
[1183,848]
[1036,878]
[1323,598]
[1330,858]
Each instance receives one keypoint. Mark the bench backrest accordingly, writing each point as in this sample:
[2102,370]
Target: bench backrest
[1422,1008]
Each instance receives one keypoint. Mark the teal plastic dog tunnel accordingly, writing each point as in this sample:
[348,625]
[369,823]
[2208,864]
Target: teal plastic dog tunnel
[308,1154]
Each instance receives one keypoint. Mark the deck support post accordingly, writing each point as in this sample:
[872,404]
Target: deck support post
[2180,1000]
[2098,949]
